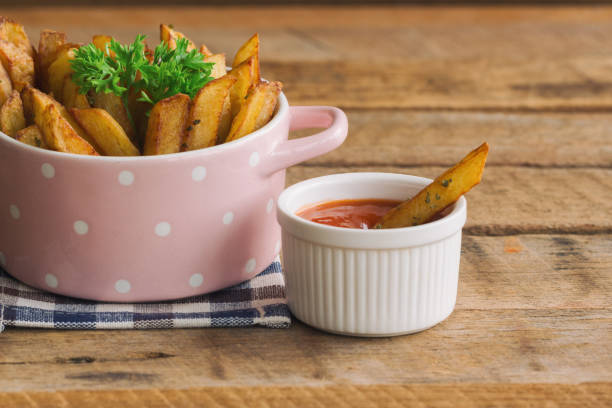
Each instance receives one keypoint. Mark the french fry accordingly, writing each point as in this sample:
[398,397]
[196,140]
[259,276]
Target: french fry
[32,136]
[444,191]
[71,96]
[114,106]
[11,115]
[59,135]
[207,114]
[39,101]
[18,63]
[166,128]
[6,87]
[245,77]
[218,69]
[59,70]
[50,41]
[169,36]
[108,134]
[15,33]
[250,49]
[257,110]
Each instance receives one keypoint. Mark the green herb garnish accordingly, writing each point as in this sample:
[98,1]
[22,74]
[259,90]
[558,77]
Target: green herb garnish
[171,71]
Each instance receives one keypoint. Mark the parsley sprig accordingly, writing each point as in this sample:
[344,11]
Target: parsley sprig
[171,71]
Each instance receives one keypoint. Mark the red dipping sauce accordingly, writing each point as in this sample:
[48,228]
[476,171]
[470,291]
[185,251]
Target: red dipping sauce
[362,213]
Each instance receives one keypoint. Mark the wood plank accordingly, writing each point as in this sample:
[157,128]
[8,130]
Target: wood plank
[512,200]
[503,58]
[353,396]
[471,346]
[407,138]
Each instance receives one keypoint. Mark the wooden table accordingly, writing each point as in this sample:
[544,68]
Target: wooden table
[421,87]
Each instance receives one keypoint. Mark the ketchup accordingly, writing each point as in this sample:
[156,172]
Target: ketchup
[362,213]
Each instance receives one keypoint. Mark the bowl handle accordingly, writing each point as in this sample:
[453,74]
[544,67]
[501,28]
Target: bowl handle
[291,152]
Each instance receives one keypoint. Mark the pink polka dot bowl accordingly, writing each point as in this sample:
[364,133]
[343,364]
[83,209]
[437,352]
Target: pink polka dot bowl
[135,229]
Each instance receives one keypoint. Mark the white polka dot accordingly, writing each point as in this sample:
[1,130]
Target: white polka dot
[163,229]
[48,171]
[126,178]
[122,286]
[2,259]
[228,218]
[196,280]
[14,210]
[270,206]
[81,227]
[254,159]
[277,247]
[198,173]
[250,265]
[51,280]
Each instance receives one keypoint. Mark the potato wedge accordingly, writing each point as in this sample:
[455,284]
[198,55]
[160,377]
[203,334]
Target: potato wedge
[105,130]
[50,41]
[205,51]
[166,128]
[32,136]
[206,114]
[59,135]
[6,86]
[250,49]
[245,76]
[444,191]
[18,63]
[114,106]
[218,69]
[169,36]
[71,96]
[257,110]
[11,115]
[15,33]
[39,101]
[101,42]
[59,70]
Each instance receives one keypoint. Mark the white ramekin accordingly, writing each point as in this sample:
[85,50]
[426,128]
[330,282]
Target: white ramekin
[368,282]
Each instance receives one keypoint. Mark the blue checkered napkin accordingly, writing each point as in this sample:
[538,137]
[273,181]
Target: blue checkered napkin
[258,302]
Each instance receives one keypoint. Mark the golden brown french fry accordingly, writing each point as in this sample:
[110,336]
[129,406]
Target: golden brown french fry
[169,36]
[257,110]
[218,69]
[444,191]
[101,42]
[59,135]
[11,115]
[249,49]
[108,134]
[71,96]
[206,114]
[166,128]
[245,78]
[15,33]
[6,87]
[32,136]
[59,70]
[39,102]
[50,42]
[114,106]
[18,63]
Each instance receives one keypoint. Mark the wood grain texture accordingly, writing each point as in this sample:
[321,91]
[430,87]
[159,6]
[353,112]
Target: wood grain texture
[512,200]
[342,396]
[405,138]
[471,346]
[420,58]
